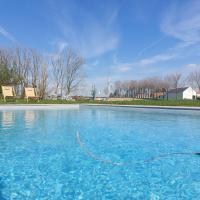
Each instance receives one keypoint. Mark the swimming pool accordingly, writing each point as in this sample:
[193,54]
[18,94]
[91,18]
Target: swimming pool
[42,156]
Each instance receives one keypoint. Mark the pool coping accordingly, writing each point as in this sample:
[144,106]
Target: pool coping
[77,106]
[148,107]
[38,106]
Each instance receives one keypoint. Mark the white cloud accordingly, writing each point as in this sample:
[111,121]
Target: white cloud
[141,65]
[119,67]
[91,65]
[92,36]
[183,22]
[96,40]
[62,45]
[188,68]
[146,61]
[7,35]
[157,58]
[59,44]
[123,68]
[192,66]
[115,59]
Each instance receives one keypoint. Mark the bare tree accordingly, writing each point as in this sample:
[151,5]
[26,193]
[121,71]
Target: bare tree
[23,67]
[57,63]
[22,62]
[174,81]
[93,92]
[153,87]
[117,92]
[166,86]
[4,56]
[67,68]
[43,81]
[73,64]
[194,78]
[36,60]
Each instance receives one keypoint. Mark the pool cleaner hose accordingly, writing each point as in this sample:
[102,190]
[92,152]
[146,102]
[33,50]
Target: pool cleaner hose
[97,158]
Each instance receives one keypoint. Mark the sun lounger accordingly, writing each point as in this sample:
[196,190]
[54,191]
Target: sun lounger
[8,91]
[30,93]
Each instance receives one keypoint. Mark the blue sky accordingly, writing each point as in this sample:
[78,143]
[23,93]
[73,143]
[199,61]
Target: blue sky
[120,39]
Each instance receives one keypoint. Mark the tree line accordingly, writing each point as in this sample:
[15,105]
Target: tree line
[24,67]
[155,87]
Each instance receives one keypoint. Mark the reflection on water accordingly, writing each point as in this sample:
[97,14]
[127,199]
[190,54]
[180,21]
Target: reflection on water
[29,118]
[8,118]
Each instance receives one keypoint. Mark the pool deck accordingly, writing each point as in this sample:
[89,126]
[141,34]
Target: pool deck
[77,106]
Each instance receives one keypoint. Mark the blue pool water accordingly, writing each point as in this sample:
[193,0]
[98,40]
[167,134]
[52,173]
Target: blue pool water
[41,158]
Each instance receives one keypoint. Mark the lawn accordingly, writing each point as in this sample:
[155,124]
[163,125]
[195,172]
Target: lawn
[195,103]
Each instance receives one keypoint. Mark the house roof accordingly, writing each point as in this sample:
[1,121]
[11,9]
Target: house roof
[178,90]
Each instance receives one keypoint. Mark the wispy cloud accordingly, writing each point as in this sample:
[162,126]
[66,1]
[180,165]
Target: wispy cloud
[93,36]
[142,63]
[192,66]
[59,45]
[123,67]
[119,66]
[183,22]
[115,59]
[8,35]
[133,70]
[157,58]
[91,65]
[151,45]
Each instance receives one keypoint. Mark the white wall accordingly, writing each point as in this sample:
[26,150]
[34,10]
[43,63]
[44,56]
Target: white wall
[189,93]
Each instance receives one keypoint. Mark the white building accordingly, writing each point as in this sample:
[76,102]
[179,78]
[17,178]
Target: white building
[198,94]
[182,93]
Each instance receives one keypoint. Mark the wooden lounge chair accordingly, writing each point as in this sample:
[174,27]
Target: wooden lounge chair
[30,93]
[8,91]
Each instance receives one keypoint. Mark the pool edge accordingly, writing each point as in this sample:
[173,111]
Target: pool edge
[148,107]
[77,106]
[38,106]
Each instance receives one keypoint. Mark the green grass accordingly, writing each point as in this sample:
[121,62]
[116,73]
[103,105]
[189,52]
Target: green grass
[195,103]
